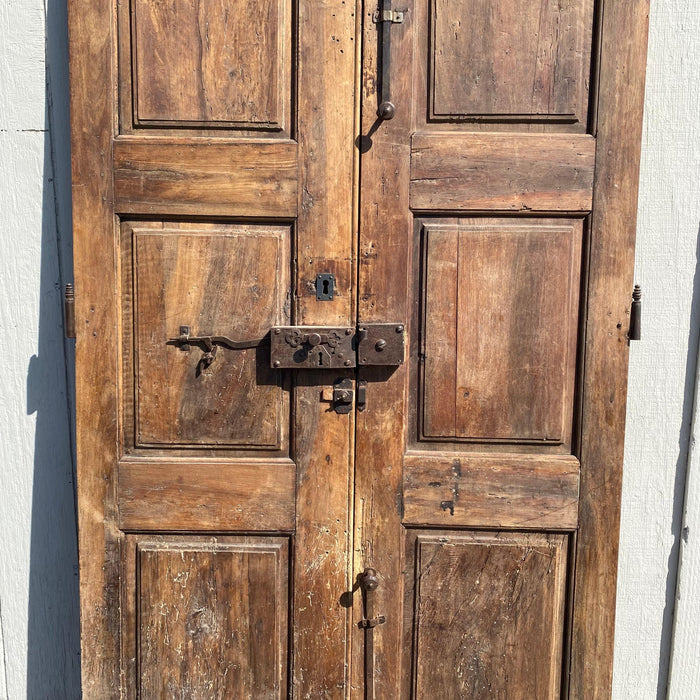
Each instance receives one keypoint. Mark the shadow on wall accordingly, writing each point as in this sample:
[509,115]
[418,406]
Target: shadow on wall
[679,484]
[53,645]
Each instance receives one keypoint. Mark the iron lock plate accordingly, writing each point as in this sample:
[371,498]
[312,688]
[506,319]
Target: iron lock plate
[337,347]
[312,347]
[380,344]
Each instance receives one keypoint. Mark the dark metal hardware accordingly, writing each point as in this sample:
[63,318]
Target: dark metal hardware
[361,395]
[343,395]
[69,311]
[387,17]
[325,286]
[308,347]
[311,347]
[380,344]
[635,331]
[210,345]
[369,581]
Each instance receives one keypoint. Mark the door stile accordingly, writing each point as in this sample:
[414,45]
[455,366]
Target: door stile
[91,72]
[383,292]
[619,108]
[324,440]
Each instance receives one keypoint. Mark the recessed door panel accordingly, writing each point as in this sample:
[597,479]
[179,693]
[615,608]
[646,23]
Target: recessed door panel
[217,280]
[513,59]
[500,319]
[210,63]
[208,617]
[488,615]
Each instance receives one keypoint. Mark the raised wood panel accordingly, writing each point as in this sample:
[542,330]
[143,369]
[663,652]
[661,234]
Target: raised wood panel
[488,615]
[502,172]
[218,279]
[206,617]
[211,62]
[512,59]
[499,331]
[207,178]
[206,495]
[479,490]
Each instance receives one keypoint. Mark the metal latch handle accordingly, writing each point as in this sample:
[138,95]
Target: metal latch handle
[309,347]
[387,17]
[369,582]
[210,344]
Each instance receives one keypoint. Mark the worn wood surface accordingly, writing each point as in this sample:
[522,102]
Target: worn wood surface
[218,279]
[501,172]
[96,382]
[384,264]
[323,439]
[531,492]
[488,614]
[212,452]
[618,131]
[491,308]
[207,616]
[500,350]
[205,177]
[211,62]
[201,494]
[516,58]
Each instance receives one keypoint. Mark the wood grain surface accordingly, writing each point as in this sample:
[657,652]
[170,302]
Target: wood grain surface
[198,494]
[526,58]
[533,492]
[618,130]
[206,178]
[488,615]
[219,279]
[208,617]
[501,172]
[211,62]
[504,343]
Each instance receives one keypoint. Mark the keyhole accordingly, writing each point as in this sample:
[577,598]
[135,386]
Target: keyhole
[325,287]
[320,358]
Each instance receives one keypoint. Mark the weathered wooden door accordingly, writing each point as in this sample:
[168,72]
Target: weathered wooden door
[433,511]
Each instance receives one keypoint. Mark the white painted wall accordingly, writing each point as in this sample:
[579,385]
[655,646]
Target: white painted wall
[38,562]
[38,574]
[663,366]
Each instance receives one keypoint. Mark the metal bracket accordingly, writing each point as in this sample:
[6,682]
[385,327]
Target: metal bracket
[393,16]
[320,347]
[380,344]
[343,395]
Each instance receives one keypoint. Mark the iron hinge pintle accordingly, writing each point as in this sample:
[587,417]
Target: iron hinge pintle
[635,331]
[69,311]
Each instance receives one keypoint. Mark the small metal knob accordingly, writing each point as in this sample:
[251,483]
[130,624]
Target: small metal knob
[369,580]
[314,339]
[386,110]
[380,345]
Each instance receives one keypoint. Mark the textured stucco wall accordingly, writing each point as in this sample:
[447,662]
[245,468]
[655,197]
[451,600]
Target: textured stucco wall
[38,573]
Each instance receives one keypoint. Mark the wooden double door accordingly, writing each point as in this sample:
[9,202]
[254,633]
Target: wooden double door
[260,522]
